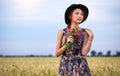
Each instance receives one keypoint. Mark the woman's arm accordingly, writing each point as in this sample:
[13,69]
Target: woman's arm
[59,49]
[87,41]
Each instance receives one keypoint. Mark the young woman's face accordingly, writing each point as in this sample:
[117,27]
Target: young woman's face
[76,16]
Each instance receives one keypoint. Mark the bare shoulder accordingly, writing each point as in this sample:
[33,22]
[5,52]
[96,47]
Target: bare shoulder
[87,29]
[88,32]
[60,31]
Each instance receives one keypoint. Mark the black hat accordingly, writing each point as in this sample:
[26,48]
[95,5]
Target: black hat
[71,8]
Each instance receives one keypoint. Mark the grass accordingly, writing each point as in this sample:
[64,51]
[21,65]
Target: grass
[48,66]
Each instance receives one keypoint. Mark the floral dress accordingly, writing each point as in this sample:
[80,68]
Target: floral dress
[72,63]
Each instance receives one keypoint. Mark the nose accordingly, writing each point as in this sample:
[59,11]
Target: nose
[80,16]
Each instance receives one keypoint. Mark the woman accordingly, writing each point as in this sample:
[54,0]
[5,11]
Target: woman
[74,42]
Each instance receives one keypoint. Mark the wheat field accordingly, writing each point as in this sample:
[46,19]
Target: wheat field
[48,66]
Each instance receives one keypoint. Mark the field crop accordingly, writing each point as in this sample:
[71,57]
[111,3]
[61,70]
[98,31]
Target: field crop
[48,66]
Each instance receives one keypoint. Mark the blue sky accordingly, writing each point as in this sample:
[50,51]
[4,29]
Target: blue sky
[31,26]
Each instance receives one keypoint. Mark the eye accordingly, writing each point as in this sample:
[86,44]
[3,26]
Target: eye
[81,14]
[77,13]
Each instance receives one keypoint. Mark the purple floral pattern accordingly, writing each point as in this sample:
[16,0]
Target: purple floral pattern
[72,63]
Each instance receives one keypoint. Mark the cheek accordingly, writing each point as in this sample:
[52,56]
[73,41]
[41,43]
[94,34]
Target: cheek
[74,16]
[82,17]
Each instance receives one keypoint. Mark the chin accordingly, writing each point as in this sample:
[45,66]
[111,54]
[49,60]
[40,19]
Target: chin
[78,22]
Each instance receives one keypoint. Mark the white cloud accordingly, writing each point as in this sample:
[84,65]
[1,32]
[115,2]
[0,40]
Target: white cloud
[25,7]
[101,10]
[27,19]
[40,11]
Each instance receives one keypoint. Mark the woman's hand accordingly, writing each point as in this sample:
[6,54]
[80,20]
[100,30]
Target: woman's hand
[90,34]
[70,39]
[87,41]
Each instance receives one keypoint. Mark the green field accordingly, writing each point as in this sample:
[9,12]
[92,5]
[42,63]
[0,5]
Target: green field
[48,66]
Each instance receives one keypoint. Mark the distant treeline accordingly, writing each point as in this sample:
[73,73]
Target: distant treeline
[108,53]
[26,55]
[92,52]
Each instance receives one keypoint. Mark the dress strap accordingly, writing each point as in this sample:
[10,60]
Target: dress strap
[83,32]
[63,34]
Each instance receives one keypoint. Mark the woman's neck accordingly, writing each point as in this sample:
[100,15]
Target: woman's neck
[74,26]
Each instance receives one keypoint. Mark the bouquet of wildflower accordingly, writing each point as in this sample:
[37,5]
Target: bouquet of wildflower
[76,34]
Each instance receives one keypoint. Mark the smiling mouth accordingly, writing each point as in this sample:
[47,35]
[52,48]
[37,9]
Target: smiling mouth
[79,19]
